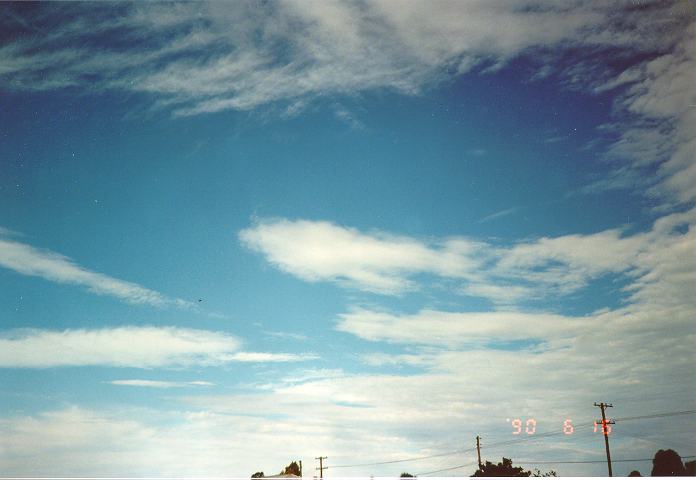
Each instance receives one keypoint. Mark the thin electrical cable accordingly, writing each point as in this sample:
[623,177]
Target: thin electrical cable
[545,462]
[587,424]
[446,469]
[656,415]
[403,460]
[510,442]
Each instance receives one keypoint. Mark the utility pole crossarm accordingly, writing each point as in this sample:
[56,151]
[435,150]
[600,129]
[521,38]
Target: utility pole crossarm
[321,467]
[605,431]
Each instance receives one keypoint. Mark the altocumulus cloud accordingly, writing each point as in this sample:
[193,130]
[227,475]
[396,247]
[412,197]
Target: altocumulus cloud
[138,347]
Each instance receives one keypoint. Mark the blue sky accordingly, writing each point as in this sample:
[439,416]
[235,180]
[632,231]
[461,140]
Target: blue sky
[237,234]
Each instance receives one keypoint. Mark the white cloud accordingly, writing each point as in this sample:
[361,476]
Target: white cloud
[27,260]
[142,347]
[385,263]
[268,357]
[377,262]
[208,57]
[639,357]
[505,294]
[330,47]
[562,265]
[286,335]
[159,383]
[657,122]
[136,347]
[456,329]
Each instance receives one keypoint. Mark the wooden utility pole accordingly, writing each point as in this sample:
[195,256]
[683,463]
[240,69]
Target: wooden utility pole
[478,451]
[321,466]
[605,431]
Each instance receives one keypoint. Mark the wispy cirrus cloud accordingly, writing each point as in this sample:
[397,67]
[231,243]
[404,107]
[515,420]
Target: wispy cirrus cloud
[160,383]
[268,357]
[654,143]
[499,214]
[129,346]
[206,66]
[27,260]
[433,332]
[188,59]
[140,347]
[455,329]
[329,47]
[388,264]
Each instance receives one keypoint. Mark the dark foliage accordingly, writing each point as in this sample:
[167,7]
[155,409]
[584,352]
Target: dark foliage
[293,468]
[257,475]
[667,463]
[406,475]
[502,469]
[635,473]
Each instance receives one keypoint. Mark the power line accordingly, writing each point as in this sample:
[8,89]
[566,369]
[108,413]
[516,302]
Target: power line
[656,415]
[545,462]
[454,452]
[404,459]
[587,424]
[510,442]
[446,469]
[548,462]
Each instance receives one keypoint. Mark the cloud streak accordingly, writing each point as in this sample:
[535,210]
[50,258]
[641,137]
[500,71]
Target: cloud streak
[189,60]
[159,383]
[130,346]
[375,262]
[330,47]
[389,264]
[456,329]
[27,260]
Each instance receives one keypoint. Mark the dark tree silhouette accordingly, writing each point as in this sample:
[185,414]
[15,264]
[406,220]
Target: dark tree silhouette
[406,475]
[293,469]
[667,463]
[257,475]
[690,468]
[635,473]
[502,469]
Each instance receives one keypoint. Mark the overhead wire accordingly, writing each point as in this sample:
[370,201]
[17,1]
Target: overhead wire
[656,415]
[507,442]
[580,425]
[550,462]
[447,469]
[425,457]
[583,425]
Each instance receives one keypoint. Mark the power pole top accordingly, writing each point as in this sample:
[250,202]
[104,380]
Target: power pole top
[321,467]
[605,431]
